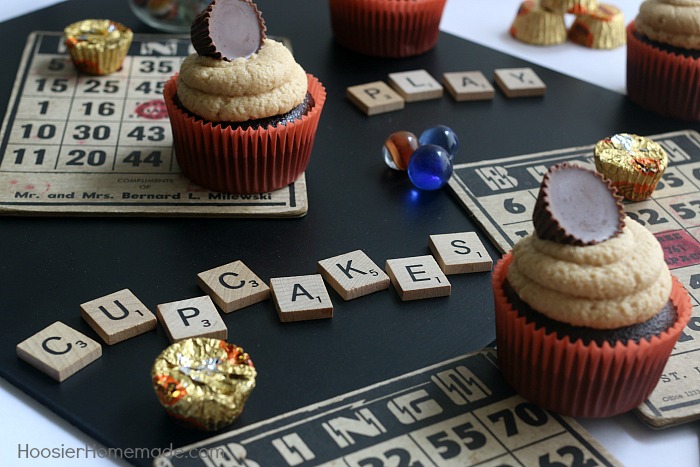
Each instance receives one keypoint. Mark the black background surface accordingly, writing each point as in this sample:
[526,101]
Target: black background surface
[50,265]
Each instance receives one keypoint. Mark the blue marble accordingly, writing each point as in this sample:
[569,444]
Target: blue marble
[430,167]
[442,136]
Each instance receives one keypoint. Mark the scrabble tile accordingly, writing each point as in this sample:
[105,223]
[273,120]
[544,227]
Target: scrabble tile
[375,98]
[519,82]
[301,298]
[193,317]
[353,274]
[233,286]
[118,316]
[418,277]
[468,86]
[416,85]
[459,253]
[59,351]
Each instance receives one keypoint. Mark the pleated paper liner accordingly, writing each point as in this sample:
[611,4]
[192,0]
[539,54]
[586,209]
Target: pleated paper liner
[234,160]
[662,81]
[387,28]
[576,379]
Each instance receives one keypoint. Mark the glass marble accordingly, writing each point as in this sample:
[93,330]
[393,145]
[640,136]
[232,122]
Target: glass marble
[430,167]
[398,148]
[442,136]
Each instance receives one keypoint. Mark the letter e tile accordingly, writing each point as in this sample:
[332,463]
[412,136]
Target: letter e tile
[301,298]
[459,253]
[59,351]
[193,317]
[353,274]
[233,286]
[118,316]
[418,277]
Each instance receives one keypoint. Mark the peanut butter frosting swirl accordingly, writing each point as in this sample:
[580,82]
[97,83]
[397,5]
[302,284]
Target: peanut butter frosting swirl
[672,22]
[265,84]
[615,283]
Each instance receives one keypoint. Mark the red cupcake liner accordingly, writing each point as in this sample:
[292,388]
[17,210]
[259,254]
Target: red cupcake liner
[234,160]
[387,28]
[662,81]
[575,379]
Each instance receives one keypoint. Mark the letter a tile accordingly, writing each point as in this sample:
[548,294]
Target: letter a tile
[118,316]
[194,317]
[468,86]
[233,286]
[418,277]
[59,351]
[301,298]
[353,275]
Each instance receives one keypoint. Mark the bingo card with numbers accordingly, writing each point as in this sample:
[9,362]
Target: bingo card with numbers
[501,195]
[80,144]
[457,413]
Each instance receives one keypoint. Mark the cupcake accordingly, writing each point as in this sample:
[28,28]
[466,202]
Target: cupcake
[663,58]
[587,312]
[97,46]
[244,114]
[387,28]
[537,26]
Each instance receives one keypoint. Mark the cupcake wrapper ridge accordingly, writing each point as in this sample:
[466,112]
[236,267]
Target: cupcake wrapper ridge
[575,379]
[234,160]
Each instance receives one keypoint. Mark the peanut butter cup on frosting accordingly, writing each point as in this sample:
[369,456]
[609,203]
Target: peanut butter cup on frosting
[587,312]
[244,113]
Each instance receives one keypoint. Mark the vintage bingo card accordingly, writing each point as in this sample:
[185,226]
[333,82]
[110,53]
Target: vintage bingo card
[501,195]
[457,413]
[80,144]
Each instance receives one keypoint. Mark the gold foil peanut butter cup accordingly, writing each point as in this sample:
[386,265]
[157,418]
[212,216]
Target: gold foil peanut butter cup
[535,25]
[633,163]
[98,46]
[203,382]
[577,7]
[603,28]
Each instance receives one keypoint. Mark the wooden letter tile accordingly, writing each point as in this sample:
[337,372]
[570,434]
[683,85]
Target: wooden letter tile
[194,317]
[459,253]
[353,275]
[519,82]
[301,298]
[418,277]
[233,286]
[416,85]
[375,98]
[59,351]
[118,316]
[468,86]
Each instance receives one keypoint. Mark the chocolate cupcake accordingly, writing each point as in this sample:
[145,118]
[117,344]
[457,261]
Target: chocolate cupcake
[244,114]
[663,58]
[587,312]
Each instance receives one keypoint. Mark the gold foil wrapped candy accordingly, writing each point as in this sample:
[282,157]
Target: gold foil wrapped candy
[603,28]
[633,163]
[203,382]
[98,46]
[535,25]
[569,6]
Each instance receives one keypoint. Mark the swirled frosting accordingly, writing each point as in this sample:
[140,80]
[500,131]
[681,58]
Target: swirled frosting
[615,283]
[267,83]
[672,22]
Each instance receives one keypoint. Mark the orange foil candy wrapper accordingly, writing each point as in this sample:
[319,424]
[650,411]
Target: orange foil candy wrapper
[577,379]
[602,28]
[633,163]
[203,382]
[98,46]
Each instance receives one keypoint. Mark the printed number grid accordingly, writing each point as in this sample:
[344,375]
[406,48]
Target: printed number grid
[74,143]
[501,194]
